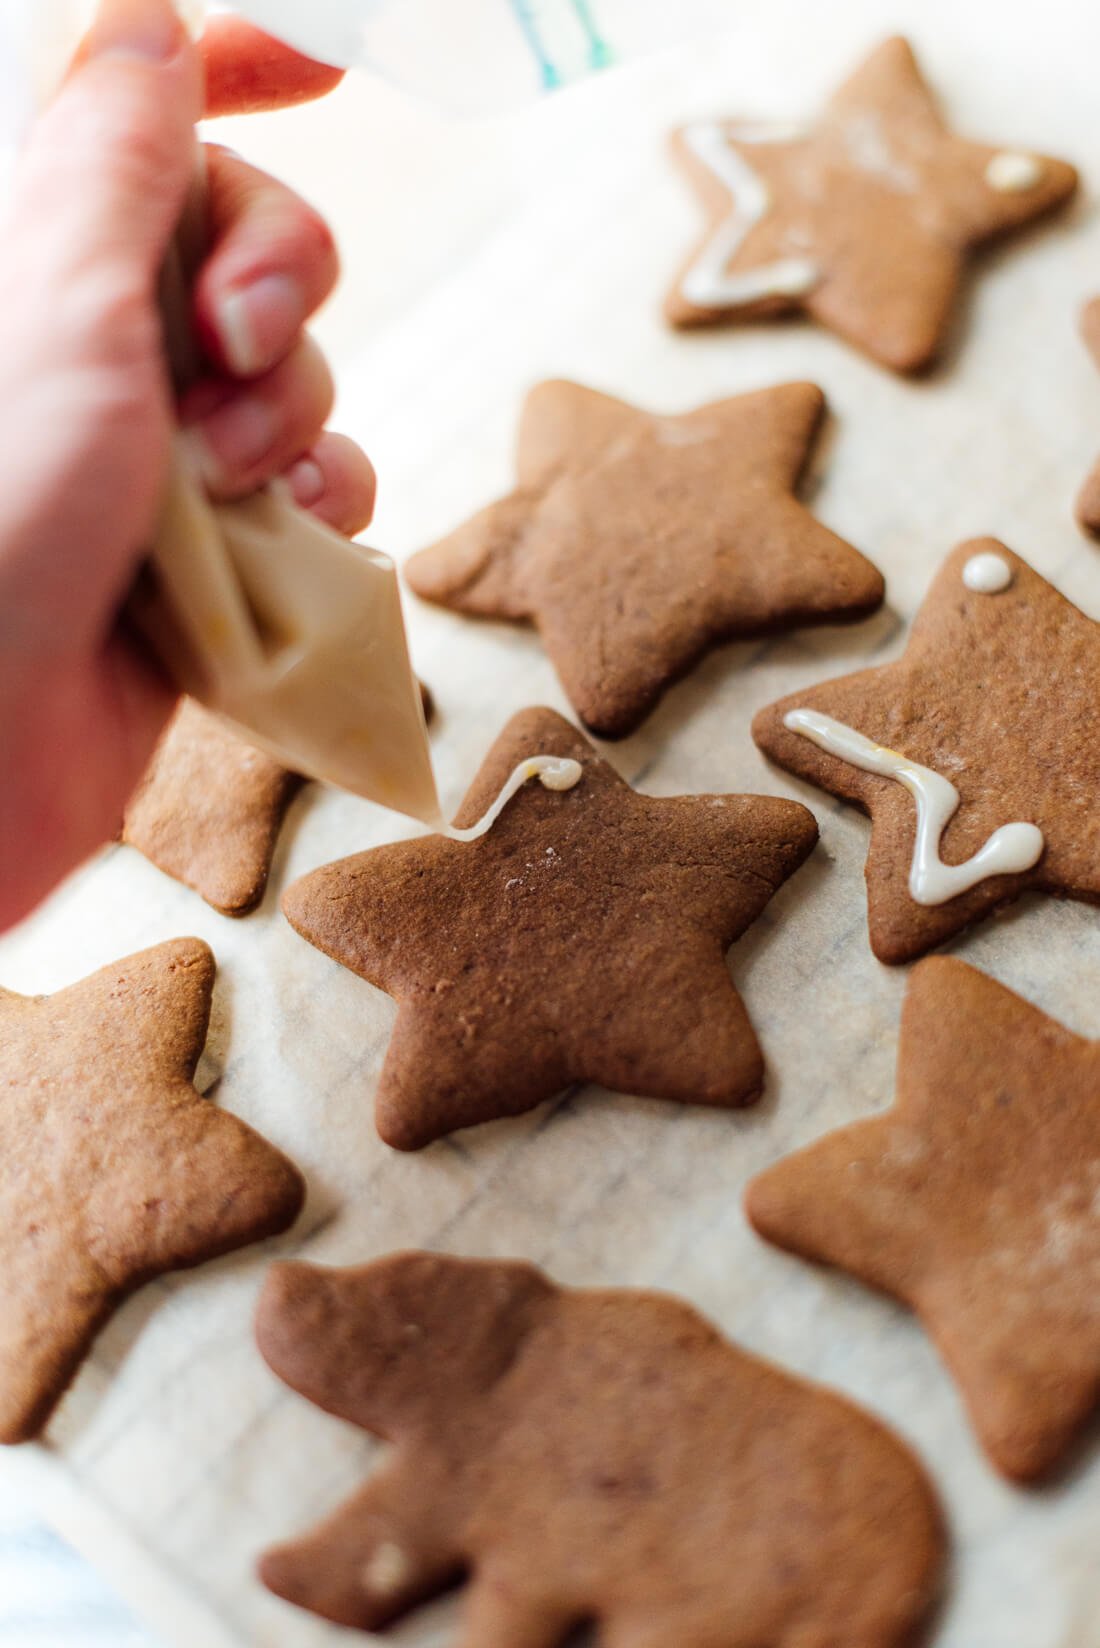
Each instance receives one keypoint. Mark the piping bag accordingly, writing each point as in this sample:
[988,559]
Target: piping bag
[261,612]
[267,616]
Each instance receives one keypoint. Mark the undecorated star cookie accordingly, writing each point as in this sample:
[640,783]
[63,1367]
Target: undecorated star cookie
[113,1169]
[863,220]
[975,1201]
[208,810]
[1088,501]
[583,939]
[596,1457]
[975,754]
[635,543]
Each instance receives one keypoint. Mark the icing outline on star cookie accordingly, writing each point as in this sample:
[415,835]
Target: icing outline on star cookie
[708,283]
[1009,851]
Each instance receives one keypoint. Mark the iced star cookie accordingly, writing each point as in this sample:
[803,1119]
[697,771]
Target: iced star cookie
[635,543]
[975,754]
[208,810]
[863,219]
[590,1457]
[1088,500]
[975,1201]
[582,939]
[113,1169]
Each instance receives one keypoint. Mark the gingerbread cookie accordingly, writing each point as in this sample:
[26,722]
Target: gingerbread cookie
[582,939]
[1088,501]
[636,543]
[975,754]
[597,1457]
[208,810]
[975,1202]
[862,220]
[113,1169]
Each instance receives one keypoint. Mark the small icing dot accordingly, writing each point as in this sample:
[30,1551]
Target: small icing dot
[388,1571]
[1012,174]
[987,574]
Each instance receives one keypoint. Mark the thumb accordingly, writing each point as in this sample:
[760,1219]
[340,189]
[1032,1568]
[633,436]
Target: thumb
[107,166]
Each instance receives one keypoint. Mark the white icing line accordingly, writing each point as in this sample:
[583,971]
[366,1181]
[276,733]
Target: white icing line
[1009,850]
[987,574]
[553,773]
[1013,174]
[707,284]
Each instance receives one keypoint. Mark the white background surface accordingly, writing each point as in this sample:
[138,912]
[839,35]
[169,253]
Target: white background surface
[480,259]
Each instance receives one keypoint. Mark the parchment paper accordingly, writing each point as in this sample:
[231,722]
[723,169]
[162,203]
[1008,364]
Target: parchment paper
[177,1456]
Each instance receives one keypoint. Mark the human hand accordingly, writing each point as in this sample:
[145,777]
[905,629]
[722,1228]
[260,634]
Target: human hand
[86,410]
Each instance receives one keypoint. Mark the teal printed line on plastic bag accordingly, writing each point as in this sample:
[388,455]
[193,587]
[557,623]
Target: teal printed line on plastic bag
[564,38]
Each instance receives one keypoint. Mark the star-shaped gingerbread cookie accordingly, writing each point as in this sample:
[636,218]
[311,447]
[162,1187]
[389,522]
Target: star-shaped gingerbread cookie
[208,810]
[583,939]
[1088,501]
[113,1169]
[975,754]
[863,220]
[590,1457]
[635,543]
[975,1201]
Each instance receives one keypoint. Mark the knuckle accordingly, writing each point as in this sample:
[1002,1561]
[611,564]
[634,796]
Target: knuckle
[137,145]
[325,382]
[315,237]
[105,314]
[308,385]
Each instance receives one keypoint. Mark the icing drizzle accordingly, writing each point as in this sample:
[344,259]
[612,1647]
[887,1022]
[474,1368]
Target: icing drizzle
[708,283]
[553,772]
[1009,850]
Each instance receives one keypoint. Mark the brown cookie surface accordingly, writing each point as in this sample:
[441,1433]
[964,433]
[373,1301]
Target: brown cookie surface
[974,1201]
[600,1457]
[996,692]
[582,939]
[635,543]
[113,1169]
[208,810]
[1088,500]
[863,220]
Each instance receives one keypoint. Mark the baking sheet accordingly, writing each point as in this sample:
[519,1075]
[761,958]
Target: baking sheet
[177,1457]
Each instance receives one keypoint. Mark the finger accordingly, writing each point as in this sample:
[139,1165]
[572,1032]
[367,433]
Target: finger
[272,262]
[107,166]
[248,72]
[242,438]
[335,481]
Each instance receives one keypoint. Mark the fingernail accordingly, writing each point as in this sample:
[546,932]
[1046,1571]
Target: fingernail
[135,28]
[232,441]
[258,323]
[307,482]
